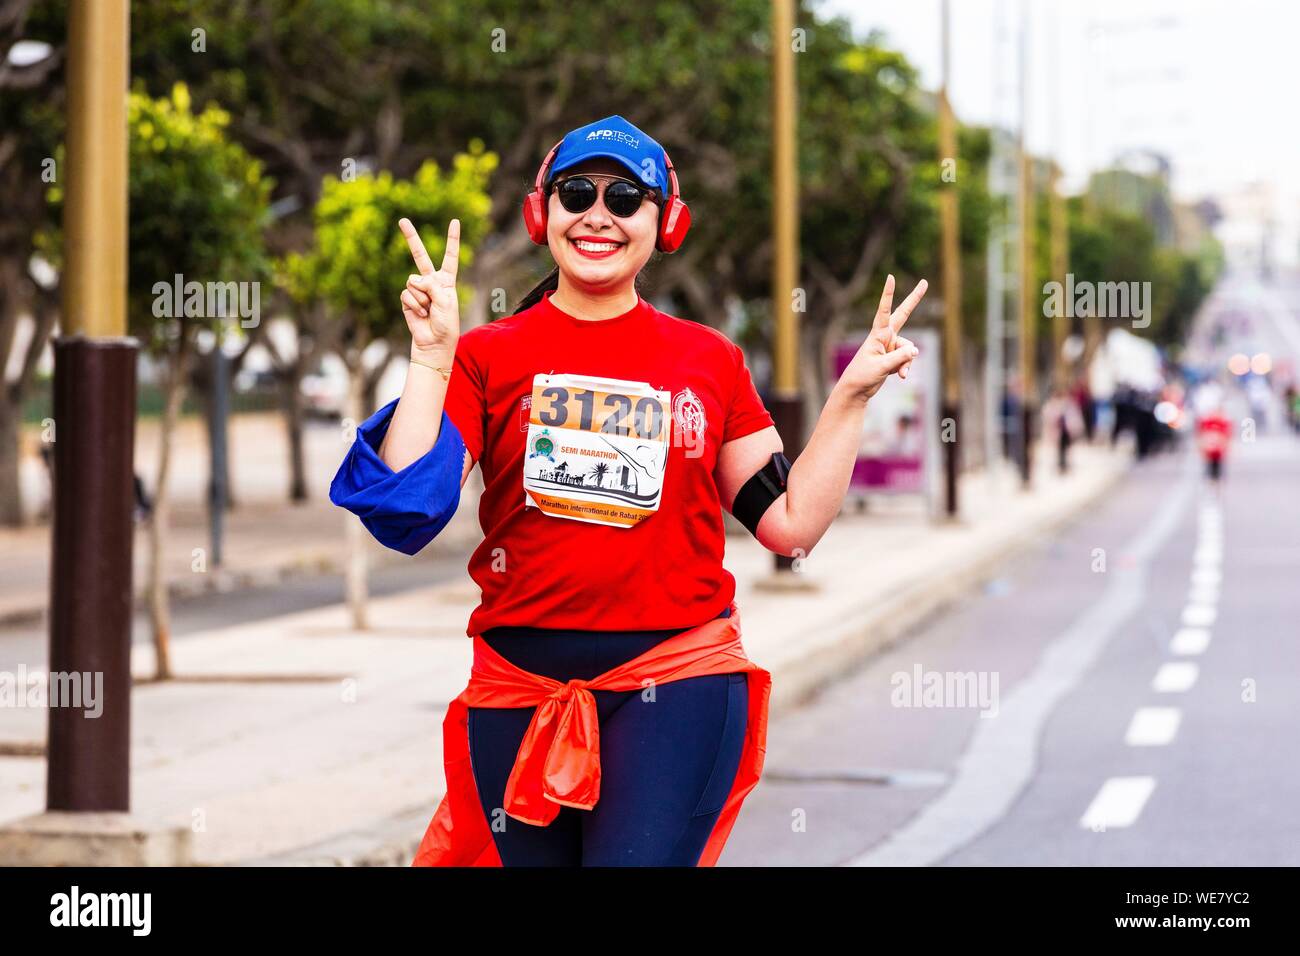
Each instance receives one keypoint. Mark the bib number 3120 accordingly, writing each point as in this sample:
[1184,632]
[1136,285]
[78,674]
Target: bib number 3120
[597,449]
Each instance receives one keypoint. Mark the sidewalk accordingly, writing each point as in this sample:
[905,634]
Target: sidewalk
[265,537]
[339,760]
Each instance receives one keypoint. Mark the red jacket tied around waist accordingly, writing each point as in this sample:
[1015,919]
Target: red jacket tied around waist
[558,763]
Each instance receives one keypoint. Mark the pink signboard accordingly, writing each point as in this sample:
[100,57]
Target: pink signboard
[891,455]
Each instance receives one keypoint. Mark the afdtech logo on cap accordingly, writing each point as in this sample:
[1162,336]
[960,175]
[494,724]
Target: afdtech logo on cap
[614,134]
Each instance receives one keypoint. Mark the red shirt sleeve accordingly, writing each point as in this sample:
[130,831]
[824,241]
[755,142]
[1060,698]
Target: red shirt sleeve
[466,403]
[746,413]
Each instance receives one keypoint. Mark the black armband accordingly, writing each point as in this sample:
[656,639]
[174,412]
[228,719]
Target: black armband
[756,495]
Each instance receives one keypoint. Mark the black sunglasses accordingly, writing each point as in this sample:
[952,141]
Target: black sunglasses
[622,196]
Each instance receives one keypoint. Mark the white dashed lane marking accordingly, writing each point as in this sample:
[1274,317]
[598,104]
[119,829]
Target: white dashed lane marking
[1190,641]
[1175,677]
[1206,577]
[1153,726]
[1199,615]
[1118,803]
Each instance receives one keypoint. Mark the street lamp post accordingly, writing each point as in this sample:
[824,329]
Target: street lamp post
[94,415]
[787,404]
[1028,298]
[952,337]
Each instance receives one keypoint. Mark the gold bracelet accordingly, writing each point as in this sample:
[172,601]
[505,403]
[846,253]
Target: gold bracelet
[446,372]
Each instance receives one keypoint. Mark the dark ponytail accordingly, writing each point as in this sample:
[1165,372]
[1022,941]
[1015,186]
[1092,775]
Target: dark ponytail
[548,284]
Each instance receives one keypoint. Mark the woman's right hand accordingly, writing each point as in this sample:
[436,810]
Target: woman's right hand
[429,301]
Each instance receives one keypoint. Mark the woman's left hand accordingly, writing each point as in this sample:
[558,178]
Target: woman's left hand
[885,351]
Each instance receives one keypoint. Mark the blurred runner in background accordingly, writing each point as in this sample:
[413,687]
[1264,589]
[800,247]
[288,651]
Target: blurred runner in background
[1213,430]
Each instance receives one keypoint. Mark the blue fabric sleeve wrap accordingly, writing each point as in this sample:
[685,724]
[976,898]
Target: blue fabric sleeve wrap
[405,509]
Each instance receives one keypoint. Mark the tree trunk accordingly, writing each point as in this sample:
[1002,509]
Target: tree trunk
[291,395]
[11,505]
[313,336]
[159,605]
[11,502]
[368,403]
[355,569]
[12,394]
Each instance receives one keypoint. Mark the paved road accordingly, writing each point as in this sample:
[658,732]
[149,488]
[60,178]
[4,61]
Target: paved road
[1139,675]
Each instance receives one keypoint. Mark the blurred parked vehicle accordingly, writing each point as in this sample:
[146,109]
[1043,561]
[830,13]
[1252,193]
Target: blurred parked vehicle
[324,395]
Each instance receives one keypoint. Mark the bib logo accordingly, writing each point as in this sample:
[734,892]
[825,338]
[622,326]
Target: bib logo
[543,447]
[689,420]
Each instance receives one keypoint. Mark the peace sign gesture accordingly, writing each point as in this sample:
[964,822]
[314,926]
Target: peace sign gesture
[885,351]
[429,302]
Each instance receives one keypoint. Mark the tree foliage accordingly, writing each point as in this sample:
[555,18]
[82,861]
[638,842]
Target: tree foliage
[359,261]
[198,208]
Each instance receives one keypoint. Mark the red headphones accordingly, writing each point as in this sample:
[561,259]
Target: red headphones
[674,216]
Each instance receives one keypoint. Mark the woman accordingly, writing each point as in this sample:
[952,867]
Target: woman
[612,717]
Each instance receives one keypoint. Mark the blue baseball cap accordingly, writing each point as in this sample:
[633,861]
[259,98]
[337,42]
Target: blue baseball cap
[614,138]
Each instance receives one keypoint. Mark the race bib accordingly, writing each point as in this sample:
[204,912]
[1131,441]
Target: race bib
[597,448]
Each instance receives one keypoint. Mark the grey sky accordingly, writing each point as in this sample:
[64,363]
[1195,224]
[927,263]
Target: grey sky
[1212,83]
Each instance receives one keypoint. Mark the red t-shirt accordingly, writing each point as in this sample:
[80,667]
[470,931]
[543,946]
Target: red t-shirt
[1215,432]
[543,569]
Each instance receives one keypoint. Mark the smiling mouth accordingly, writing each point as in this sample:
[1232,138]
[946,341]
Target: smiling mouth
[594,249]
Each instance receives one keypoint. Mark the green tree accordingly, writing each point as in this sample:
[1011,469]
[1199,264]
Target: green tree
[356,268]
[198,205]
[31,125]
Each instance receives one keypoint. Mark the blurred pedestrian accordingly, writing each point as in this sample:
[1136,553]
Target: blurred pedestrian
[1124,404]
[1087,407]
[1214,433]
[143,504]
[1062,425]
[1145,427]
[1012,420]
[1291,400]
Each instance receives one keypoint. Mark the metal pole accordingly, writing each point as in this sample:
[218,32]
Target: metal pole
[1091,324]
[952,339]
[787,402]
[995,324]
[1060,255]
[1028,318]
[995,317]
[217,422]
[94,412]
[1060,235]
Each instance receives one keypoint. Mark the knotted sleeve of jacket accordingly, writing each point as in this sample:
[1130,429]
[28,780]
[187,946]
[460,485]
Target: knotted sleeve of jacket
[406,509]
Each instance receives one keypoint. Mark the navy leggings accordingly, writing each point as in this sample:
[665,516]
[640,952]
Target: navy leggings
[667,765]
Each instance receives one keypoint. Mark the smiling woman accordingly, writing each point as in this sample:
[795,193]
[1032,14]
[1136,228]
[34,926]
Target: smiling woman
[611,436]
[598,251]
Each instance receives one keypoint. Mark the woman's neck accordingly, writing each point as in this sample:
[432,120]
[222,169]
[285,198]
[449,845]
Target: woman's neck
[594,306]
